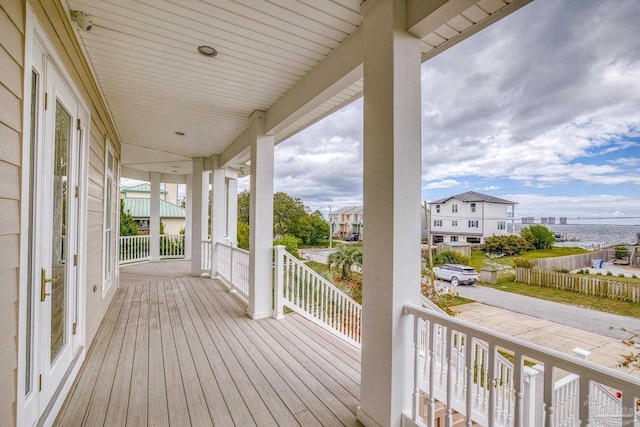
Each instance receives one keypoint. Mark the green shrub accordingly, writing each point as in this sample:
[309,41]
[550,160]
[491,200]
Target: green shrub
[523,263]
[450,257]
[621,252]
[507,245]
[290,244]
[609,273]
[538,236]
[621,275]
[562,270]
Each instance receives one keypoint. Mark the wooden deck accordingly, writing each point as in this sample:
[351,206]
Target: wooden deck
[178,350]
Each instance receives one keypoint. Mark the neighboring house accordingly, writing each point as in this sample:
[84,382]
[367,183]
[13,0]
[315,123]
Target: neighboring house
[470,217]
[136,200]
[168,192]
[173,216]
[346,221]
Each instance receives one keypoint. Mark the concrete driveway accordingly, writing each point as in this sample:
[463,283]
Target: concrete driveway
[585,319]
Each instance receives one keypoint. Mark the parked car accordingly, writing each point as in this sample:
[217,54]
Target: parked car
[457,274]
[352,237]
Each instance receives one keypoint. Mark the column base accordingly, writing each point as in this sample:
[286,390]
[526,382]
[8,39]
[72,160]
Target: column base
[365,418]
[260,314]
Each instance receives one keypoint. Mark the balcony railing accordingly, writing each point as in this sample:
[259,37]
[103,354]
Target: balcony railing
[138,248]
[458,364]
[232,265]
[304,291]
[134,249]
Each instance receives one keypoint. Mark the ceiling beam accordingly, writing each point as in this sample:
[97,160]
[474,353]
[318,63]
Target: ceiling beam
[424,17]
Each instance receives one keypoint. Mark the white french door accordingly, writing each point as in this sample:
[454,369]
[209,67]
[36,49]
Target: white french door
[56,236]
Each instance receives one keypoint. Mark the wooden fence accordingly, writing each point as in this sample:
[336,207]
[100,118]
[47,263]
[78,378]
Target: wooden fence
[572,262]
[583,284]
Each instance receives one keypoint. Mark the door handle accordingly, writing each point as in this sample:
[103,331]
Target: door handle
[43,282]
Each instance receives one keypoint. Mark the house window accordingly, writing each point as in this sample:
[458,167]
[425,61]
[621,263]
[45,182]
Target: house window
[454,208]
[454,238]
[473,224]
[473,207]
[502,225]
[473,240]
[454,223]
[437,223]
[437,208]
[109,166]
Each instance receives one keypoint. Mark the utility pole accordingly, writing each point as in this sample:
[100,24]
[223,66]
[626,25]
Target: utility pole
[330,229]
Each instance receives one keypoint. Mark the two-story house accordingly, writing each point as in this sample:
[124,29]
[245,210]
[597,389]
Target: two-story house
[470,217]
[347,221]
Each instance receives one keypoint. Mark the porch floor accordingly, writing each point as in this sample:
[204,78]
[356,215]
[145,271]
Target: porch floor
[180,350]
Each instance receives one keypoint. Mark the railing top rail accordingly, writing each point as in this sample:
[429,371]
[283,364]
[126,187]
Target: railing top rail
[431,305]
[234,248]
[545,355]
[325,281]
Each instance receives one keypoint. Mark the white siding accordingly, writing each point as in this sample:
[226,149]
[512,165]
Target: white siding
[11,70]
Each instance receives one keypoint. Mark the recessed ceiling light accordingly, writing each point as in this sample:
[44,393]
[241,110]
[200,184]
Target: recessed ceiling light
[180,133]
[207,51]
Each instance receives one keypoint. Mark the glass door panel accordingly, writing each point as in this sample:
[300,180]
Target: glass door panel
[58,244]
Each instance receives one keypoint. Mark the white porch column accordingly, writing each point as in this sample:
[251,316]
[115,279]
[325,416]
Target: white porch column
[154,217]
[218,204]
[392,199]
[196,217]
[204,207]
[260,220]
[188,232]
[232,208]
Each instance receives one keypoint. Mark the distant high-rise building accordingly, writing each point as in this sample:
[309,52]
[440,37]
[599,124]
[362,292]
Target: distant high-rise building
[544,220]
[563,220]
[528,220]
[551,220]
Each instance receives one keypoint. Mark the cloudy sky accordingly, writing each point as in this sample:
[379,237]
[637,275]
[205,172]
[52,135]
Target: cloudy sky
[542,108]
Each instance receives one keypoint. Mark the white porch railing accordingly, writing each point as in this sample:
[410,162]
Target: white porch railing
[172,245]
[491,391]
[134,249]
[205,263]
[306,292]
[232,266]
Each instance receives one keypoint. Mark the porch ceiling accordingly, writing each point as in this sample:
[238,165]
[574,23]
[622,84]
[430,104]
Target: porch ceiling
[273,55]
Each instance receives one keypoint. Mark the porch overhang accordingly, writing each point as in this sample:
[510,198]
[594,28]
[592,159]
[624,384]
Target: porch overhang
[158,88]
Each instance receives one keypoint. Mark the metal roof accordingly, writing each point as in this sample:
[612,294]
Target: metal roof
[140,208]
[473,196]
[140,188]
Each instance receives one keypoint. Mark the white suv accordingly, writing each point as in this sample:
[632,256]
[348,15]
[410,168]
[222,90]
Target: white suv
[456,274]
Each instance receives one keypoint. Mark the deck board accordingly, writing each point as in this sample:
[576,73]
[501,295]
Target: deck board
[180,350]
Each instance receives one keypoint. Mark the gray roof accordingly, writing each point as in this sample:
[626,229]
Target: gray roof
[348,210]
[473,196]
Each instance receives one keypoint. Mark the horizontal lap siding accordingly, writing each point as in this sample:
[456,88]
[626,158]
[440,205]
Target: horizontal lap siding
[51,16]
[11,72]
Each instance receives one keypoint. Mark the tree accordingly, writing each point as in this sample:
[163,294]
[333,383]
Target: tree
[538,236]
[244,200]
[243,235]
[313,228]
[344,258]
[287,214]
[128,225]
[450,257]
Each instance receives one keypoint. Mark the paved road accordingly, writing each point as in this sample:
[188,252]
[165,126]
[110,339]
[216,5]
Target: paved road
[577,317]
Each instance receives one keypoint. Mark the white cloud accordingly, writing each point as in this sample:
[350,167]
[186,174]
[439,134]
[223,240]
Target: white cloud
[447,183]
[548,96]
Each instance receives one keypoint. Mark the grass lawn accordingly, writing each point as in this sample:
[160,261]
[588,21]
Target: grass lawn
[479,258]
[624,308]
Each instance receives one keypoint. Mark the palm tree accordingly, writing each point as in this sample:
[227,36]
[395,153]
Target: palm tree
[344,258]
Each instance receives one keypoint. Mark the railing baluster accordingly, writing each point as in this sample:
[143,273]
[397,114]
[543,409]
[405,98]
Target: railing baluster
[548,397]
[432,374]
[449,418]
[492,356]
[469,362]
[415,413]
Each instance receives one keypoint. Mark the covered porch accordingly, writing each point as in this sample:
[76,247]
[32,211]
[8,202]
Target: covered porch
[179,350]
